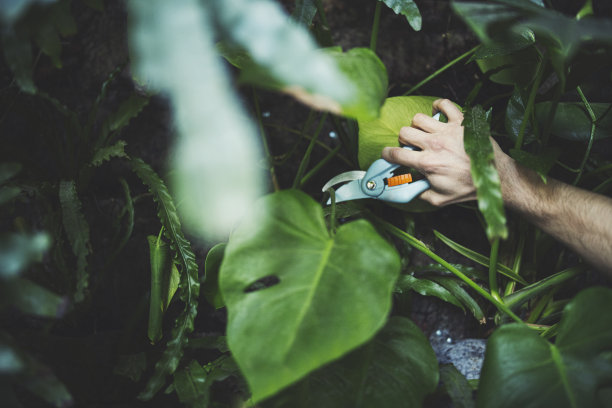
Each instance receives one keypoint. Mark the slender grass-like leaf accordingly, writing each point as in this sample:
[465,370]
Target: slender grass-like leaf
[454,287]
[407,8]
[486,179]
[479,258]
[128,110]
[189,285]
[519,297]
[77,231]
[425,287]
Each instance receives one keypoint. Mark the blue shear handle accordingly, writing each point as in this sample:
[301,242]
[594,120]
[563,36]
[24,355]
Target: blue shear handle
[404,193]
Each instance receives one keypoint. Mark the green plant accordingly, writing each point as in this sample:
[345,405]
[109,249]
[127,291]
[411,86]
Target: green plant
[313,295]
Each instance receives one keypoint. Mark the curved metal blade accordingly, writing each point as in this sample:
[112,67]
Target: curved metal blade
[344,177]
[349,191]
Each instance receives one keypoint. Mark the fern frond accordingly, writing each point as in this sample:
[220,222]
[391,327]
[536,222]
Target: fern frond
[128,110]
[108,152]
[77,231]
[189,286]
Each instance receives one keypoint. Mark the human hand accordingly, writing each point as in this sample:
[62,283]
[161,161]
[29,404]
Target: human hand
[442,158]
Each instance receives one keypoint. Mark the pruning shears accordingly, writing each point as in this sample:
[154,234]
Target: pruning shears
[379,182]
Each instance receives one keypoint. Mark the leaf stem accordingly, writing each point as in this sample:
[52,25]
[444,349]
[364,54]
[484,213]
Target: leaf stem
[441,70]
[264,142]
[493,270]
[417,244]
[306,158]
[530,103]
[591,136]
[375,26]
[320,165]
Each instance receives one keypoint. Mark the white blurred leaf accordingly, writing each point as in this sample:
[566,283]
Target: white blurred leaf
[215,158]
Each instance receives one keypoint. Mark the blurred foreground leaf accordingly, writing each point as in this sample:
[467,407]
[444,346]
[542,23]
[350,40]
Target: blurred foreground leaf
[282,275]
[523,369]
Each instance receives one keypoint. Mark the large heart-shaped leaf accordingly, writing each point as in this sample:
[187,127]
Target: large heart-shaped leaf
[396,113]
[521,369]
[398,368]
[572,121]
[329,294]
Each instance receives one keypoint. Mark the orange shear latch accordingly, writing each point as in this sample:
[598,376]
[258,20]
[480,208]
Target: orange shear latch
[398,180]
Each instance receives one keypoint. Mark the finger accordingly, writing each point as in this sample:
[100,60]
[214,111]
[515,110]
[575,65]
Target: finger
[427,123]
[413,137]
[449,109]
[404,157]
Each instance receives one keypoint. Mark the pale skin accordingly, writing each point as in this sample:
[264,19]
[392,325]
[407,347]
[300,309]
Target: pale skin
[580,219]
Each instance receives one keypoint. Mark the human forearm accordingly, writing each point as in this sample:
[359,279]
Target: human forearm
[580,219]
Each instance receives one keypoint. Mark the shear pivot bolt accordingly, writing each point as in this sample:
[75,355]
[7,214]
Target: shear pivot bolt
[371,185]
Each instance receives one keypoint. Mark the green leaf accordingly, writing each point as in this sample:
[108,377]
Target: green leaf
[396,113]
[161,272]
[478,147]
[189,384]
[304,12]
[523,369]
[563,35]
[541,164]
[328,294]
[521,296]
[573,122]
[406,8]
[172,50]
[286,52]
[368,75]
[456,387]
[77,231]
[128,110]
[514,117]
[18,250]
[18,57]
[469,271]
[479,258]
[425,287]
[454,287]
[33,299]
[189,285]
[398,368]
[210,287]
[108,152]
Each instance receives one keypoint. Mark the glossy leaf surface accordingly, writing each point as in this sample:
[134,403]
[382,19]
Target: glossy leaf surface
[523,369]
[572,121]
[456,387]
[210,287]
[486,180]
[398,368]
[425,287]
[407,8]
[396,113]
[309,275]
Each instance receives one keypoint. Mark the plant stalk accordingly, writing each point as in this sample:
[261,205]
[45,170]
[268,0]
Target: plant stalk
[441,70]
[493,270]
[591,136]
[320,165]
[530,102]
[264,142]
[375,26]
[306,158]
